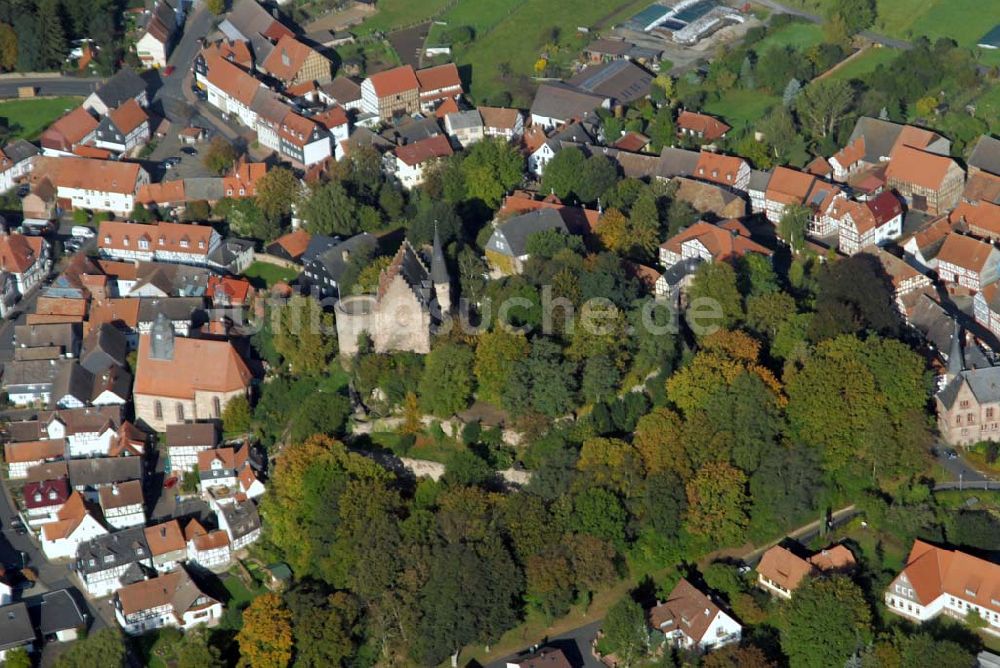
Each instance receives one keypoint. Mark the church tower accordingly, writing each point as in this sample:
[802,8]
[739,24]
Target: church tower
[439,275]
[161,338]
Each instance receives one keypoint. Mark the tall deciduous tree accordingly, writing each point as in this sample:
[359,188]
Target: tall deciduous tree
[793,225]
[625,631]
[305,335]
[220,156]
[102,648]
[497,352]
[718,503]
[714,287]
[492,168]
[330,210]
[276,192]
[266,637]
[447,384]
[827,621]
[823,105]
[8,47]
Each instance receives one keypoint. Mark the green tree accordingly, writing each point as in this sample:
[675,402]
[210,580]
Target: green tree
[447,383]
[661,130]
[276,192]
[492,168]
[246,219]
[599,513]
[715,285]
[18,657]
[625,633]
[51,34]
[827,621]
[220,156]
[823,105]
[102,648]
[305,335]
[217,7]
[236,416]
[562,173]
[497,352]
[330,210]
[265,640]
[793,225]
[196,651]
[326,627]
[8,48]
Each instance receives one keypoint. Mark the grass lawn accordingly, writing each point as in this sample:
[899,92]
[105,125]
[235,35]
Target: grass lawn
[740,107]
[795,35]
[393,14]
[988,107]
[261,274]
[239,595]
[27,118]
[865,63]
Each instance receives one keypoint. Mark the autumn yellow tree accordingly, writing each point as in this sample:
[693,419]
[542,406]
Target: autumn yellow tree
[612,230]
[611,462]
[718,503]
[658,440]
[266,637]
[496,354]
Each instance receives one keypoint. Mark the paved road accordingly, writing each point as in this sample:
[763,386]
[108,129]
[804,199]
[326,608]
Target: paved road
[170,96]
[575,645]
[51,85]
[814,18]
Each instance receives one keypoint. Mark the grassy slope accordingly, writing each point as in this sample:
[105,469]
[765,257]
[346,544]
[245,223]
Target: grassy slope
[29,117]
[865,63]
[796,35]
[394,14]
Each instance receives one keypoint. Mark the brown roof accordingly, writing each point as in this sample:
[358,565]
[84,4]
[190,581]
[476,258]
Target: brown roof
[210,541]
[963,251]
[244,175]
[632,141]
[547,657]
[174,589]
[89,174]
[127,271]
[897,270]
[193,433]
[70,516]
[294,243]
[728,239]
[449,106]
[438,78]
[230,458]
[68,130]
[123,311]
[18,253]
[175,237]
[982,186]
[394,81]
[789,186]
[933,571]
[332,118]
[499,117]
[197,365]
[784,568]
[422,150]
[712,128]
[687,610]
[194,529]
[983,216]
[61,306]
[164,538]
[852,153]
[922,168]
[833,558]
[161,193]
[287,58]
[129,116]
[236,51]
[232,80]
[88,151]
[819,167]
[121,494]
[34,451]
[709,197]
[718,168]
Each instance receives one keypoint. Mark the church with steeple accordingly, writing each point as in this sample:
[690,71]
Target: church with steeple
[413,298]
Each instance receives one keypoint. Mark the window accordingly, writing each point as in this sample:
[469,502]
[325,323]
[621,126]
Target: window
[107,238]
[180,412]
[216,406]
[158,410]
[184,243]
[958,419]
[143,244]
[963,404]
[125,241]
[989,412]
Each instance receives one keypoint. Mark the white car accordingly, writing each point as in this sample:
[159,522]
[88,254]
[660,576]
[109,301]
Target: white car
[82,232]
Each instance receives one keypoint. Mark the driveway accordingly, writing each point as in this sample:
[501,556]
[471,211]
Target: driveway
[575,645]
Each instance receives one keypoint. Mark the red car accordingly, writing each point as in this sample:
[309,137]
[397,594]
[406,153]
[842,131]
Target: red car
[167,71]
[170,482]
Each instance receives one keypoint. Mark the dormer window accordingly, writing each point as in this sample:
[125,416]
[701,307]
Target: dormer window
[184,243]
[107,238]
[201,244]
[163,241]
[143,244]
[125,241]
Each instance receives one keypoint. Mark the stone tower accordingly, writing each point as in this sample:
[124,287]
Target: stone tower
[439,275]
[161,338]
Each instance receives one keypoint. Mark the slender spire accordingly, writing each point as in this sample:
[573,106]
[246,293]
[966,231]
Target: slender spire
[439,270]
[955,363]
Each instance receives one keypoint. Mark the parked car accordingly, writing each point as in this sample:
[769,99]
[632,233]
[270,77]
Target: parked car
[170,163]
[951,453]
[168,70]
[189,150]
[82,232]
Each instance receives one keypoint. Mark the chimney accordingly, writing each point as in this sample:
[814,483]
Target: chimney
[114,489]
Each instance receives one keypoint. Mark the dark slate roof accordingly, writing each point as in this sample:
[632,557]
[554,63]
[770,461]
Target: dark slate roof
[574,133]
[174,308]
[516,230]
[73,381]
[242,518]
[104,470]
[193,433]
[59,611]
[990,40]
[332,256]
[15,626]
[984,383]
[933,322]
[439,269]
[19,150]
[123,86]
[986,154]
[228,250]
[103,347]
[174,280]
[343,89]
[409,130]
[127,546]
[363,138]
[563,102]
[676,273]
[759,180]
[408,265]
[621,80]
[62,335]
[676,162]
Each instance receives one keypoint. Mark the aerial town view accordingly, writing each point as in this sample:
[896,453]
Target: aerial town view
[500,333]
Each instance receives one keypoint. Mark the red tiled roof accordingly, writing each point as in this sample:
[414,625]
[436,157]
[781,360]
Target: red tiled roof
[46,493]
[394,81]
[228,289]
[87,174]
[197,365]
[19,253]
[963,251]
[422,150]
[68,130]
[177,237]
[233,81]
[723,241]
[632,141]
[439,78]
[922,168]
[287,58]
[718,168]
[710,127]
[128,116]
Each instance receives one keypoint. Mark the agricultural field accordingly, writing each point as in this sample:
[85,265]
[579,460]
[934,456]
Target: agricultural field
[965,21]
[865,63]
[795,35]
[27,118]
